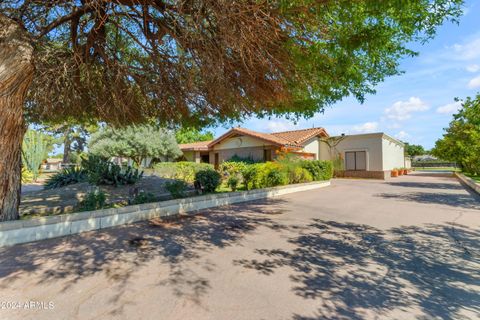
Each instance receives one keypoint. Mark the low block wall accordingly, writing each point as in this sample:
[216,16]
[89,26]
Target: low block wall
[468,181]
[21,231]
[383,175]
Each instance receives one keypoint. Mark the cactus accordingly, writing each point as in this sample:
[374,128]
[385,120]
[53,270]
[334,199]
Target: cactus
[34,151]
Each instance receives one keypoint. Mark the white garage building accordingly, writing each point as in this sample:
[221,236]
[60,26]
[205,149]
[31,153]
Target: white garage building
[371,155]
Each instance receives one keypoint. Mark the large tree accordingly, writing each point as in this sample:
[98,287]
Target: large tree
[461,141]
[188,135]
[135,142]
[192,61]
[413,150]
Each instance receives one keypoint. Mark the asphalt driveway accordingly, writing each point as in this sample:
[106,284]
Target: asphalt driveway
[405,249]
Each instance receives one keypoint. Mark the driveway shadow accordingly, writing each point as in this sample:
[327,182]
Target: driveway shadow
[119,252]
[427,185]
[457,200]
[348,267]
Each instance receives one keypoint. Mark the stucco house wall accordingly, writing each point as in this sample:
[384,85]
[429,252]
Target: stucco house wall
[371,144]
[242,146]
[393,154]
[313,146]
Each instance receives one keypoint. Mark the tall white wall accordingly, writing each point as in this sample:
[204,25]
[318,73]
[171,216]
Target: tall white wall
[393,155]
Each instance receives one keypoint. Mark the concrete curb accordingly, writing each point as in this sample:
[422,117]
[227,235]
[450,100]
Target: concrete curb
[21,231]
[468,181]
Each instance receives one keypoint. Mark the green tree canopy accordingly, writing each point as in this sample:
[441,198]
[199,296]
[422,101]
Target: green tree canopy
[413,150]
[202,61]
[193,62]
[461,141]
[135,142]
[187,135]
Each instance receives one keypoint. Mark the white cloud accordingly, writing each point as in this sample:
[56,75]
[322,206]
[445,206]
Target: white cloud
[402,135]
[467,51]
[474,83]
[450,108]
[473,68]
[277,126]
[402,110]
[366,127]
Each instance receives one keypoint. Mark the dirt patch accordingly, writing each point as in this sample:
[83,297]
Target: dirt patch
[65,199]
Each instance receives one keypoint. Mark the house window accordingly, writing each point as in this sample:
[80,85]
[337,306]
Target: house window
[267,155]
[356,160]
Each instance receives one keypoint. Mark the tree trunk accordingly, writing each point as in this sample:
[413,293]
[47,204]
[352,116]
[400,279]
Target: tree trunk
[67,145]
[16,73]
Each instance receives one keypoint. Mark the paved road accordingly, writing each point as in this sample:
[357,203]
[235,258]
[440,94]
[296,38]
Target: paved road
[360,249]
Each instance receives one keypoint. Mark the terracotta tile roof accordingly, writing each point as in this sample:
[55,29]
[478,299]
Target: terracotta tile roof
[300,136]
[195,146]
[264,136]
[294,138]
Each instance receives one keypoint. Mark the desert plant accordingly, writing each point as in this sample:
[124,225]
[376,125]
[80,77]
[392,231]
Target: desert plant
[176,188]
[209,179]
[34,151]
[100,171]
[65,177]
[232,182]
[93,200]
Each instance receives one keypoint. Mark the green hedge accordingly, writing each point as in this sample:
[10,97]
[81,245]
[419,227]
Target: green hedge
[320,170]
[182,170]
[270,174]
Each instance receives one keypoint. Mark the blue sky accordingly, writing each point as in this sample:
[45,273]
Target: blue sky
[415,106]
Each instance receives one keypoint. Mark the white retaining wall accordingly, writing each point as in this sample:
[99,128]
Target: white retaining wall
[21,231]
[468,181]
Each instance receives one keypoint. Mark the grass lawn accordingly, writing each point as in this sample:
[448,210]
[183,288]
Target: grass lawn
[437,169]
[476,178]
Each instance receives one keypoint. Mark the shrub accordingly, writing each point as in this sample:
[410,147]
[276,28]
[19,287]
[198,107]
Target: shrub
[299,175]
[93,200]
[101,171]
[27,175]
[246,160]
[182,170]
[250,176]
[320,170]
[143,197]
[232,168]
[65,177]
[176,188]
[272,174]
[232,182]
[209,179]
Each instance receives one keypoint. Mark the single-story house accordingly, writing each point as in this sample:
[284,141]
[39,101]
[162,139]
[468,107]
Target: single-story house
[370,155]
[52,164]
